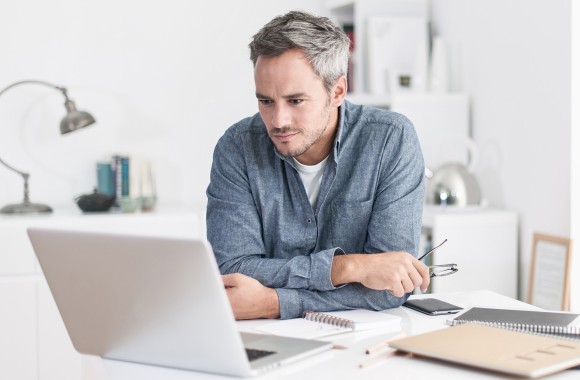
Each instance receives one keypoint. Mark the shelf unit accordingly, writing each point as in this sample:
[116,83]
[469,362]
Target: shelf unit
[355,13]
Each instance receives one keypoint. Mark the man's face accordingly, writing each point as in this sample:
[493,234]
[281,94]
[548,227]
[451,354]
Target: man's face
[300,116]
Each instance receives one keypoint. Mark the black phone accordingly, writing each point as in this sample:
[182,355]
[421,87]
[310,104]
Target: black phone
[432,306]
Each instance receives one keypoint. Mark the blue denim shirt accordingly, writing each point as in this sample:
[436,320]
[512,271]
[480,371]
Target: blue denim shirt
[260,222]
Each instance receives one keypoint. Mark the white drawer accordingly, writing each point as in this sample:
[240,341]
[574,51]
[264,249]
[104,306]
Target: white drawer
[16,254]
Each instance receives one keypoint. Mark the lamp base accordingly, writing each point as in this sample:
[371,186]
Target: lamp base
[26,208]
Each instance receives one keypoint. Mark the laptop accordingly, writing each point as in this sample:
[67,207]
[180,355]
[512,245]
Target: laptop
[154,300]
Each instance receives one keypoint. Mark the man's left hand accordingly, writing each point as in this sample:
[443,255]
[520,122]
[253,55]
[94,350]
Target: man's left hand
[249,298]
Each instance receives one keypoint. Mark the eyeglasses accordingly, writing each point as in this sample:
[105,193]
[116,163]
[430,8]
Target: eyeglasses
[441,269]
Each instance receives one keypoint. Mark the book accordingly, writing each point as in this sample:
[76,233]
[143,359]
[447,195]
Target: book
[349,30]
[105,180]
[547,322]
[120,169]
[494,349]
[314,324]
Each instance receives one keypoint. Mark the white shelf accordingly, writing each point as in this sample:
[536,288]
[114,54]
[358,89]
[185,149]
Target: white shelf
[379,101]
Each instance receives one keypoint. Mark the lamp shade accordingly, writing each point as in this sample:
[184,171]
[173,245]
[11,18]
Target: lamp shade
[74,119]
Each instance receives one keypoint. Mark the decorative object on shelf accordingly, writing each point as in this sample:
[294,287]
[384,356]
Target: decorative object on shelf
[147,189]
[128,204]
[72,121]
[438,77]
[95,202]
[420,77]
[454,184]
[550,272]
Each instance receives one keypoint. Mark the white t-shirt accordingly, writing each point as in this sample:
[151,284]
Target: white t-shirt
[311,176]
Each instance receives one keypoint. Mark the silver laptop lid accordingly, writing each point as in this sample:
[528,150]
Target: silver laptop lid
[121,299]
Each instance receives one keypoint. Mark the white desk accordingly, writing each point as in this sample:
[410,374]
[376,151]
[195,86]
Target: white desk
[343,364]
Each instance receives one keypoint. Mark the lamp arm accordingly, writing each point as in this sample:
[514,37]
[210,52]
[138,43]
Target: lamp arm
[61,89]
[33,81]
[23,174]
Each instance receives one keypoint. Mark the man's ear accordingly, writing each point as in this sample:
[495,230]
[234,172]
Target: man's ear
[338,91]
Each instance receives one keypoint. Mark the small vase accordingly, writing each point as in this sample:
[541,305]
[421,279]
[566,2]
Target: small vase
[439,79]
[419,80]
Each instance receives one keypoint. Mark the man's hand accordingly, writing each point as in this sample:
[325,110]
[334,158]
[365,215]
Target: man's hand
[397,272]
[249,298]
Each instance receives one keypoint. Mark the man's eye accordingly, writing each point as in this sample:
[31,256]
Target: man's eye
[296,101]
[265,102]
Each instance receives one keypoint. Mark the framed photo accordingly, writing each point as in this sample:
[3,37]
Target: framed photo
[550,272]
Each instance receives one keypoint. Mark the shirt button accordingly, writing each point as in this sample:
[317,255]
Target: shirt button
[309,220]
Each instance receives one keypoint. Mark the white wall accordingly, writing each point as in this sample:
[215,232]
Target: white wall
[513,58]
[164,80]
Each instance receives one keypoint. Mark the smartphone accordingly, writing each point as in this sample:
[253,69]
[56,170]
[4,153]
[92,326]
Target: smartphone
[432,306]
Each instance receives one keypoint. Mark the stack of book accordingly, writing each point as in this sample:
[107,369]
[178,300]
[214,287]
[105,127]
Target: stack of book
[113,176]
[129,179]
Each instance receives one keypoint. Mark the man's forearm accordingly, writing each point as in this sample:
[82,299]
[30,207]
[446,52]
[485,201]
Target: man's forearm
[345,269]
[249,299]
[301,272]
[293,302]
[272,305]
[397,272]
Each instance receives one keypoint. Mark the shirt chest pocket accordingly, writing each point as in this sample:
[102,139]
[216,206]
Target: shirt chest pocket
[349,225]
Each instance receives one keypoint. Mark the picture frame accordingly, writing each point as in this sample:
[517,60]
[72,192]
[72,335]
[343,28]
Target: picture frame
[550,272]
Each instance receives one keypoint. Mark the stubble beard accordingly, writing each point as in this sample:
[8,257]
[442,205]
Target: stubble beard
[310,139]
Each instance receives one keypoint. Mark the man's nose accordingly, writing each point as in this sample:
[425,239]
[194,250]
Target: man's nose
[280,116]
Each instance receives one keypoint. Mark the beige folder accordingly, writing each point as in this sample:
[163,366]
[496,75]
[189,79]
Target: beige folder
[495,349]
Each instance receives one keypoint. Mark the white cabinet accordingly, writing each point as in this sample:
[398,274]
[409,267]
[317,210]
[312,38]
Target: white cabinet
[57,358]
[34,344]
[18,309]
[482,242]
[18,329]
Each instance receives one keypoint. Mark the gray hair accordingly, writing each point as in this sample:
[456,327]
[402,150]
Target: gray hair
[324,44]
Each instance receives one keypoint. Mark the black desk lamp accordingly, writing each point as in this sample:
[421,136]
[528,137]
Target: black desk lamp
[72,121]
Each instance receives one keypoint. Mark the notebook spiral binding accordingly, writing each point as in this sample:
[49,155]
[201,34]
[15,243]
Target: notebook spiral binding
[316,316]
[561,331]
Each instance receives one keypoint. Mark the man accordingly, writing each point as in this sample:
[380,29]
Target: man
[314,203]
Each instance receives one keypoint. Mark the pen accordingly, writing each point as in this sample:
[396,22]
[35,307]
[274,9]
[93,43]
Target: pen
[383,356]
[376,359]
[432,249]
[379,346]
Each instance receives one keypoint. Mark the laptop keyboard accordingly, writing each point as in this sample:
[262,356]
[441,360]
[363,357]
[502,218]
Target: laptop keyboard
[254,354]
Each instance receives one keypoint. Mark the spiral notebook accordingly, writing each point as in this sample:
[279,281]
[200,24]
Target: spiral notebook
[314,324]
[546,322]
